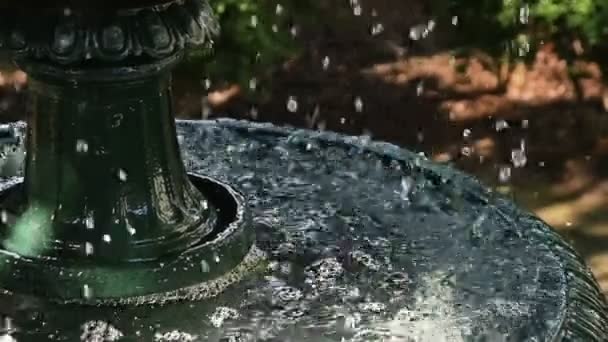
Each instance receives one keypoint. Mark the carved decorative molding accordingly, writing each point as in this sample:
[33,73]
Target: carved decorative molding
[65,37]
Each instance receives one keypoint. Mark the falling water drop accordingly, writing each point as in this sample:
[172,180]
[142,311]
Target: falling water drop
[253,83]
[88,248]
[504,174]
[358,104]
[407,184]
[122,175]
[205,266]
[82,146]
[292,104]
[501,125]
[377,29]
[325,63]
[87,292]
[89,222]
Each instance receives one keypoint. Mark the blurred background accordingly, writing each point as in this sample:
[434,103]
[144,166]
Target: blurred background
[511,91]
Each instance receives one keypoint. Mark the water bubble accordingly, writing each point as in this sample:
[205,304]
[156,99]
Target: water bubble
[107,238]
[174,336]
[221,314]
[279,9]
[466,133]
[97,331]
[82,146]
[122,175]
[254,21]
[357,10]
[4,216]
[455,20]
[67,11]
[525,123]
[292,104]
[131,230]
[275,28]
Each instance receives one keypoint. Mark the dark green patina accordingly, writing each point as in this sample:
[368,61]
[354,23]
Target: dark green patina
[107,210]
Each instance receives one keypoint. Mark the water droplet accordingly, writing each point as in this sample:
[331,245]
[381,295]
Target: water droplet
[253,83]
[107,238]
[88,248]
[205,266]
[117,119]
[325,63]
[518,156]
[87,292]
[420,88]
[524,14]
[122,175]
[294,31]
[279,9]
[358,104]
[292,104]
[82,146]
[407,184]
[4,216]
[501,125]
[466,133]
[357,10]
[89,222]
[377,29]
[207,83]
[254,20]
[455,20]
[504,174]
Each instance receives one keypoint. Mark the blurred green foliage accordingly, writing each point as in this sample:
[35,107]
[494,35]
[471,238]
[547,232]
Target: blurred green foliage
[507,26]
[255,34]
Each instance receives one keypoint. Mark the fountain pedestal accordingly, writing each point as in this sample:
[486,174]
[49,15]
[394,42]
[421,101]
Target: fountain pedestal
[107,210]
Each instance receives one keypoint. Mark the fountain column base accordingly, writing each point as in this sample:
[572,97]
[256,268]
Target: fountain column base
[107,212]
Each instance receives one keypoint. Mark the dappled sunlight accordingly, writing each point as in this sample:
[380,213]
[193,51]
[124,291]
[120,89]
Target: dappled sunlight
[564,214]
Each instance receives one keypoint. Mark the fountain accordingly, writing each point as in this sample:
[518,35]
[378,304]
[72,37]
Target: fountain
[266,234]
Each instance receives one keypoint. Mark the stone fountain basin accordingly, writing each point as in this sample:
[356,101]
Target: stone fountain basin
[364,241]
